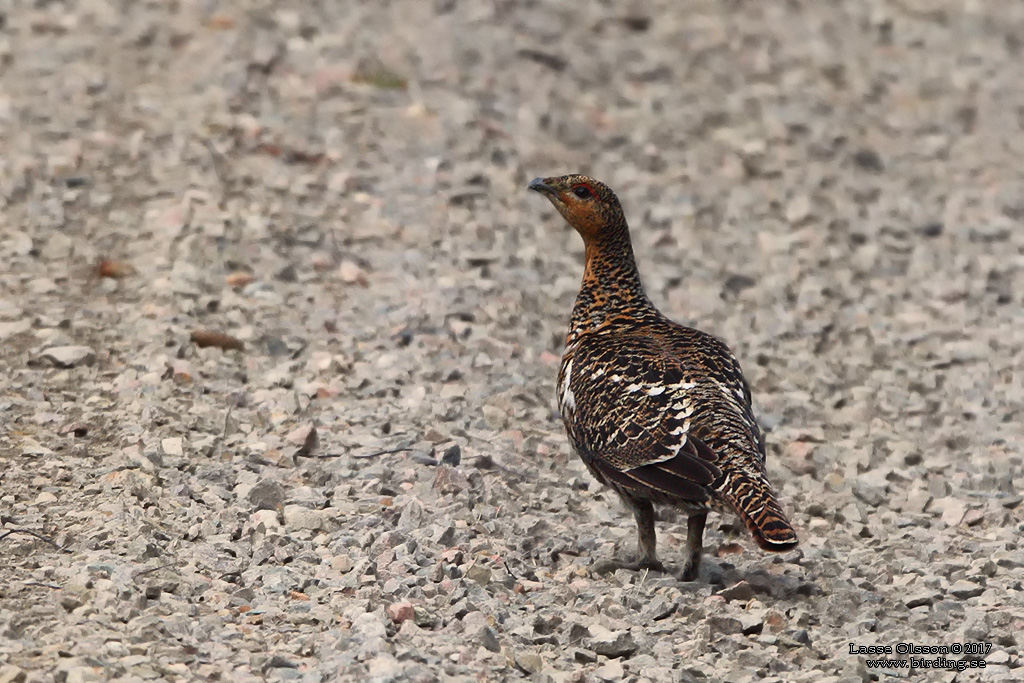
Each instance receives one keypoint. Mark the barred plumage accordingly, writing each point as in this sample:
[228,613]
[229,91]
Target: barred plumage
[657,411]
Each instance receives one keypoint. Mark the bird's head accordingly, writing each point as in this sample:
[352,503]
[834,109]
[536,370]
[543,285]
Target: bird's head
[588,205]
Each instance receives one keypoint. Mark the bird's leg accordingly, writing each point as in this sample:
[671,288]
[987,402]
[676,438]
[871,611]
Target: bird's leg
[694,543]
[646,542]
[647,538]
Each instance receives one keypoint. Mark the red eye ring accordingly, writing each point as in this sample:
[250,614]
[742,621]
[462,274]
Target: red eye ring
[583,191]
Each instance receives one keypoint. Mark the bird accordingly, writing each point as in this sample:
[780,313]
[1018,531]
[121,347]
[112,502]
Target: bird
[659,412]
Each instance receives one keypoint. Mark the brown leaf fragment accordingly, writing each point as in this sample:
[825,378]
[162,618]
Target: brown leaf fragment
[220,22]
[116,270]
[205,338]
[302,156]
[291,155]
[238,279]
[179,371]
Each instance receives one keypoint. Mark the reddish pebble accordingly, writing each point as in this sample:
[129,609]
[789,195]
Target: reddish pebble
[401,612]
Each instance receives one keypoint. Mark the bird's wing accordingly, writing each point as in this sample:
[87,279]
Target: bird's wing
[635,418]
[672,419]
[733,422]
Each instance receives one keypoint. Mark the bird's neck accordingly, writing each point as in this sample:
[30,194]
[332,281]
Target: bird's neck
[611,292]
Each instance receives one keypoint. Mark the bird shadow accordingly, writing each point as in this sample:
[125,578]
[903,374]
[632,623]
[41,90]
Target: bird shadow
[762,583]
[724,575]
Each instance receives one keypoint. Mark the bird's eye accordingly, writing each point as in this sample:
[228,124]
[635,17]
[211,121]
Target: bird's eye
[582,191]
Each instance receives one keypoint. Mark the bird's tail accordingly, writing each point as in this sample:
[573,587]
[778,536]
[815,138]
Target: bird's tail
[754,501]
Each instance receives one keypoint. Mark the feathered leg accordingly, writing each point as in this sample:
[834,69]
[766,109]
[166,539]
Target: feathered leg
[646,541]
[647,538]
[694,544]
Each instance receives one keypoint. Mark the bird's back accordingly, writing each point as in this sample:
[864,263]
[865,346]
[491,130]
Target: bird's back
[662,412]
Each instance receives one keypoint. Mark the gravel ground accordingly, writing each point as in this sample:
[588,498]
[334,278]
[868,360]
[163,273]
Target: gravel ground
[367,480]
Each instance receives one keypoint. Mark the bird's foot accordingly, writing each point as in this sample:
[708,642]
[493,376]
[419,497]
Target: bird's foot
[690,571]
[609,566]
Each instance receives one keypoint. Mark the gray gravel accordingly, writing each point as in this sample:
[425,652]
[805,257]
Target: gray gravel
[280,325]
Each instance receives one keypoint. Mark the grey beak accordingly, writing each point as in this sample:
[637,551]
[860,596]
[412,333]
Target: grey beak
[538,185]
